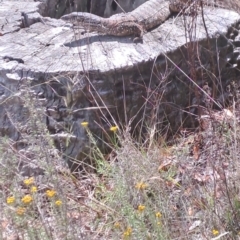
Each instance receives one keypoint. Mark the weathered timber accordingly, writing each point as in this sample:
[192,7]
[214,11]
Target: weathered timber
[144,18]
[107,80]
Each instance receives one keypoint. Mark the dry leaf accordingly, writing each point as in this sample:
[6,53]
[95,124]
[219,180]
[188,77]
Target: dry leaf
[201,178]
[196,152]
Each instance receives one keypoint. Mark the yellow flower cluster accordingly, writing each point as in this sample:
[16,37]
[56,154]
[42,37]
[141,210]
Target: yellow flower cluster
[29,181]
[20,210]
[50,193]
[33,189]
[113,128]
[141,186]
[84,124]
[141,208]
[10,200]
[215,232]
[27,199]
[58,202]
[158,215]
[127,233]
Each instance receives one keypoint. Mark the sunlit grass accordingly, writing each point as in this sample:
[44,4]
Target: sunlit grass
[136,191]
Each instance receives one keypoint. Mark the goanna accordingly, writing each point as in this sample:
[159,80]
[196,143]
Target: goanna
[147,16]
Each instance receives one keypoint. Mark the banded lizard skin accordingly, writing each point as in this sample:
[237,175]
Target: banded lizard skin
[147,16]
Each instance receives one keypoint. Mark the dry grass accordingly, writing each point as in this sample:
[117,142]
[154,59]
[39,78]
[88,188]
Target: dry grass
[185,191]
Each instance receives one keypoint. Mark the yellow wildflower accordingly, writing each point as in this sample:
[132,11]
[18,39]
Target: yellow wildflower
[117,224]
[113,128]
[29,181]
[141,208]
[127,233]
[58,202]
[20,211]
[84,124]
[10,200]
[158,215]
[215,232]
[159,223]
[33,189]
[50,193]
[141,186]
[27,199]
